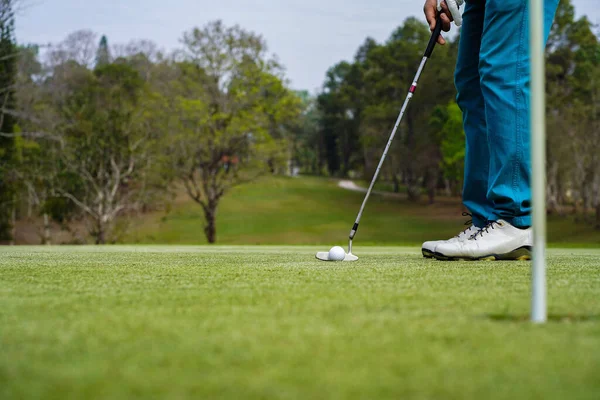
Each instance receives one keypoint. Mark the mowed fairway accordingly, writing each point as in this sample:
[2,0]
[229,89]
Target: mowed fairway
[273,323]
[315,211]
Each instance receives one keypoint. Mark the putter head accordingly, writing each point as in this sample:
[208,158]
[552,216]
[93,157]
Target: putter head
[324,256]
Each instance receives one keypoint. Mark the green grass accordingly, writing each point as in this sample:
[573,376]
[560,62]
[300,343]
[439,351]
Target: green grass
[313,211]
[273,323]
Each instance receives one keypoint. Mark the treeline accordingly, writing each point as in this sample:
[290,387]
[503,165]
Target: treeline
[354,114]
[92,134]
[360,103]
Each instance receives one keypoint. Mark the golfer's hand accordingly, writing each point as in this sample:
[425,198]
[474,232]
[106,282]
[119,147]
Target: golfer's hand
[431,13]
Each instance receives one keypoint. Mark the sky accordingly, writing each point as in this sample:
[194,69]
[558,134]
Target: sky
[308,36]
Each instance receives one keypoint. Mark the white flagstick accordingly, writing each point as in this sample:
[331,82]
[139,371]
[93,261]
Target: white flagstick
[538,160]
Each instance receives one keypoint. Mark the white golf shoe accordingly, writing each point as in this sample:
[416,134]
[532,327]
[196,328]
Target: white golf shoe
[498,240]
[428,248]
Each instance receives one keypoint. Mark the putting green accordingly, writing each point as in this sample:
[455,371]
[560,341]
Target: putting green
[273,322]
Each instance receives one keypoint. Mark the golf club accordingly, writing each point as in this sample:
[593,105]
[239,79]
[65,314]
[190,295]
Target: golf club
[324,255]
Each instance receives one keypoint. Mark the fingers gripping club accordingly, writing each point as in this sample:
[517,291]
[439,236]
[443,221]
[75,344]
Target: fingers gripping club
[454,7]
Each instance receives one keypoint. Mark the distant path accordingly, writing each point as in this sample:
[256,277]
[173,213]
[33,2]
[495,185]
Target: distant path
[350,185]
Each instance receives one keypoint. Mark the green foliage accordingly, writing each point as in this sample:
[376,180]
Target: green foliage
[232,111]
[102,110]
[218,113]
[28,64]
[340,109]
[573,88]
[117,135]
[306,139]
[103,53]
[451,137]
[8,73]
[99,159]
[361,100]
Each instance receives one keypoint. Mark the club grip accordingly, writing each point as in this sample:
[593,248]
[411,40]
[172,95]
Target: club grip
[434,36]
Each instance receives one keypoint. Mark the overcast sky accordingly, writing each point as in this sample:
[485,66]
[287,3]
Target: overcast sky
[308,36]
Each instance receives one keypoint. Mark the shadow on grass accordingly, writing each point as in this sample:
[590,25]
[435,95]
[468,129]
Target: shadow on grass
[569,318]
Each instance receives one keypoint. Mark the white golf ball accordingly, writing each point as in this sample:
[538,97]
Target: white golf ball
[337,254]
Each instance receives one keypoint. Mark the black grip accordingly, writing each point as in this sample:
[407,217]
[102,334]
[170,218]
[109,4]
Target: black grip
[434,36]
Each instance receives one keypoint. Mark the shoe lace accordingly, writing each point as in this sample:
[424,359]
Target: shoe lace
[467,224]
[485,229]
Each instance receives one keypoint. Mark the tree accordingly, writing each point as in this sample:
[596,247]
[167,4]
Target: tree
[35,164]
[89,146]
[106,152]
[451,137]
[229,104]
[8,73]
[573,62]
[103,53]
[386,73]
[36,167]
[307,143]
[333,113]
[341,109]
[79,47]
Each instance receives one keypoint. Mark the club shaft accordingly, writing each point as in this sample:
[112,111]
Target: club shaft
[387,148]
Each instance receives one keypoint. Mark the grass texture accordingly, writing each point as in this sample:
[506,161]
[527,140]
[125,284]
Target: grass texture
[274,323]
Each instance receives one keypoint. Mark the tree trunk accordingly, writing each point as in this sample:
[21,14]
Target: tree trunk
[458,188]
[414,192]
[47,238]
[447,187]
[430,184]
[553,189]
[101,233]
[396,183]
[210,230]
[29,205]
[587,194]
[413,189]
[13,222]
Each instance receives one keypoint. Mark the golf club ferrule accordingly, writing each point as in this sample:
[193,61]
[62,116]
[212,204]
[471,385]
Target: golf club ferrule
[353,231]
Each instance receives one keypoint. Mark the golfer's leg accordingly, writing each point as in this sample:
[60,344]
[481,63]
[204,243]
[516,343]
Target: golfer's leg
[470,101]
[505,77]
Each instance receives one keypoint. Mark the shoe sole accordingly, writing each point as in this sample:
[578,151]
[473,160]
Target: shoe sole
[520,254]
[427,253]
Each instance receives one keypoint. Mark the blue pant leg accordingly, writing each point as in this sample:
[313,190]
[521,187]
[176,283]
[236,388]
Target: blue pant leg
[504,68]
[470,100]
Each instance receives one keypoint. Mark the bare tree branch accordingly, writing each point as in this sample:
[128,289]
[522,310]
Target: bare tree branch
[116,178]
[79,203]
[35,135]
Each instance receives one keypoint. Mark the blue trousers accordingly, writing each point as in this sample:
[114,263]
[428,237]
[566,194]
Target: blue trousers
[492,79]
